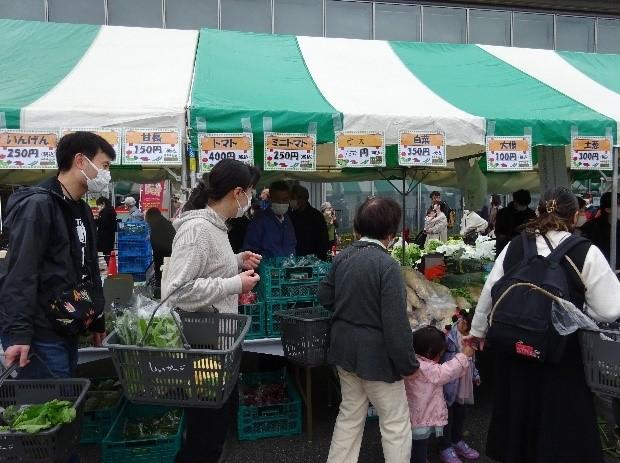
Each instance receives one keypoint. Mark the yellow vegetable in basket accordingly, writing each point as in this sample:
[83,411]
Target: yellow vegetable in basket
[206,370]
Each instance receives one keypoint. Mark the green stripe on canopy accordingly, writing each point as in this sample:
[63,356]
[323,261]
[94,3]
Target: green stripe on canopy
[479,83]
[255,76]
[34,57]
[603,69]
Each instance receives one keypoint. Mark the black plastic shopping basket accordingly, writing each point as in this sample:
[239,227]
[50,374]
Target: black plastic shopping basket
[305,335]
[601,360]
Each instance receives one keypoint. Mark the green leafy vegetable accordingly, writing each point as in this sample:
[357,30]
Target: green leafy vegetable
[35,418]
[413,253]
[163,332]
[432,245]
[152,427]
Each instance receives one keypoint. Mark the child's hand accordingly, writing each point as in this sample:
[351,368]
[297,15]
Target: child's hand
[468,350]
[477,381]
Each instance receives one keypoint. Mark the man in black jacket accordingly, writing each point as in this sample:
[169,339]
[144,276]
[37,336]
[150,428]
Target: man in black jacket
[52,248]
[511,220]
[310,225]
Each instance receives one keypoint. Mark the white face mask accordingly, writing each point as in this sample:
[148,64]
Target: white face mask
[294,204]
[243,209]
[100,182]
[279,209]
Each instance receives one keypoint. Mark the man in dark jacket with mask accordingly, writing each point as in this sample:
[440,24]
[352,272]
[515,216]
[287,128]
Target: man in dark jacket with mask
[52,249]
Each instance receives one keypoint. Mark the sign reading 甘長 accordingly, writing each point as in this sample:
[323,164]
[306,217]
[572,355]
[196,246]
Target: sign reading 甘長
[215,147]
[360,149]
[290,151]
[419,149]
[158,147]
[28,149]
[509,153]
[112,136]
[591,153]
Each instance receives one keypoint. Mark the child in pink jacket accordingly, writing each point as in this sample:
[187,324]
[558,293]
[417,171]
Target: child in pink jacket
[427,405]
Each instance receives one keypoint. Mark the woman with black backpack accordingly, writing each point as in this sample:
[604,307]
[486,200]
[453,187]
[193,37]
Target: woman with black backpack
[543,410]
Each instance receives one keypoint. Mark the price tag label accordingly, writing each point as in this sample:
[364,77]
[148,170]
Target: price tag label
[419,148]
[26,149]
[509,153]
[360,149]
[290,151]
[152,147]
[112,136]
[591,153]
[215,147]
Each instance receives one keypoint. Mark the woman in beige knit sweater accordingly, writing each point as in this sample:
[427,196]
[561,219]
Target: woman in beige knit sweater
[213,276]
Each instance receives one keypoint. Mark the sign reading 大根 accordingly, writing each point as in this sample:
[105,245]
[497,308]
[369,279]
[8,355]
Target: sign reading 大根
[591,153]
[290,151]
[509,153]
[360,149]
[419,149]
[27,149]
[159,147]
[214,147]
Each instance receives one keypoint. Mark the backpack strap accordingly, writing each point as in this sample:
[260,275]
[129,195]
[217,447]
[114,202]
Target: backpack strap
[529,246]
[558,253]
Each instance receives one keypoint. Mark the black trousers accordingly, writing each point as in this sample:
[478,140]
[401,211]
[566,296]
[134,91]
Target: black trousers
[206,430]
[419,450]
[453,431]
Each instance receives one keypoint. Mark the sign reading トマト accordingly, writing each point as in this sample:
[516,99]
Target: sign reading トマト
[152,147]
[591,153]
[360,149]
[21,149]
[214,147]
[509,153]
[290,151]
[422,149]
[112,136]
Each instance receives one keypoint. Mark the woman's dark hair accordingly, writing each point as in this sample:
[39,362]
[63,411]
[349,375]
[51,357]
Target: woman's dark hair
[378,218]
[434,193]
[496,200]
[86,143]
[225,177]
[581,203]
[429,342]
[556,212]
[522,197]
[279,185]
[103,201]
[442,206]
[465,315]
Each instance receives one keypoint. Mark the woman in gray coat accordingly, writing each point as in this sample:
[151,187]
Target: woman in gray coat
[371,341]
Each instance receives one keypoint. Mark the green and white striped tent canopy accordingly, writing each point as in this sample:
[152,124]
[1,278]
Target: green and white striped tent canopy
[291,82]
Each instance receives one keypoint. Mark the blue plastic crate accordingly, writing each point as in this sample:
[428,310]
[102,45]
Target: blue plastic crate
[262,421]
[134,264]
[279,305]
[128,231]
[257,324]
[134,248]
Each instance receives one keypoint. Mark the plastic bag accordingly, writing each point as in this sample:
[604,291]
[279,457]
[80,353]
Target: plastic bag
[567,318]
[131,324]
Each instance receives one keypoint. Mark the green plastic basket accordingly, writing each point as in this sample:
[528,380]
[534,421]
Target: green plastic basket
[260,422]
[258,328]
[280,305]
[282,282]
[116,449]
[97,423]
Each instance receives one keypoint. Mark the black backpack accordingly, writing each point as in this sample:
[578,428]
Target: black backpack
[520,320]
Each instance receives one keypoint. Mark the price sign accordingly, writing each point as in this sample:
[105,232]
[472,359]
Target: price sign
[360,149]
[422,149]
[215,147]
[591,153]
[290,151]
[112,136]
[152,147]
[26,149]
[509,153]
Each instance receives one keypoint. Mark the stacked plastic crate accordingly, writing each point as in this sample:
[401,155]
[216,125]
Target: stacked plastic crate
[288,283]
[135,254]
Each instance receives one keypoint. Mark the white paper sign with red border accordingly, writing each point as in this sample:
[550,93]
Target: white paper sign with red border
[360,149]
[28,149]
[290,151]
[113,136]
[215,147]
[422,149]
[591,153]
[509,154]
[152,147]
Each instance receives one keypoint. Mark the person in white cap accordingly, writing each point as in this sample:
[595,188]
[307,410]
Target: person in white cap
[135,214]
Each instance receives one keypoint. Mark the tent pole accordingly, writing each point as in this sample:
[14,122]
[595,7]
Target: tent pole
[404,197]
[614,211]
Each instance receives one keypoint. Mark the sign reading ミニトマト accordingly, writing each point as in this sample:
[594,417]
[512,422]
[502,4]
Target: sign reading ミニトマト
[419,149]
[215,147]
[27,149]
[290,151]
[509,153]
[591,153]
[360,149]
[158,147]
[112,136]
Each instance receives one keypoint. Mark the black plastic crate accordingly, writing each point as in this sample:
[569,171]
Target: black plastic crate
[279,305]
[601,360]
